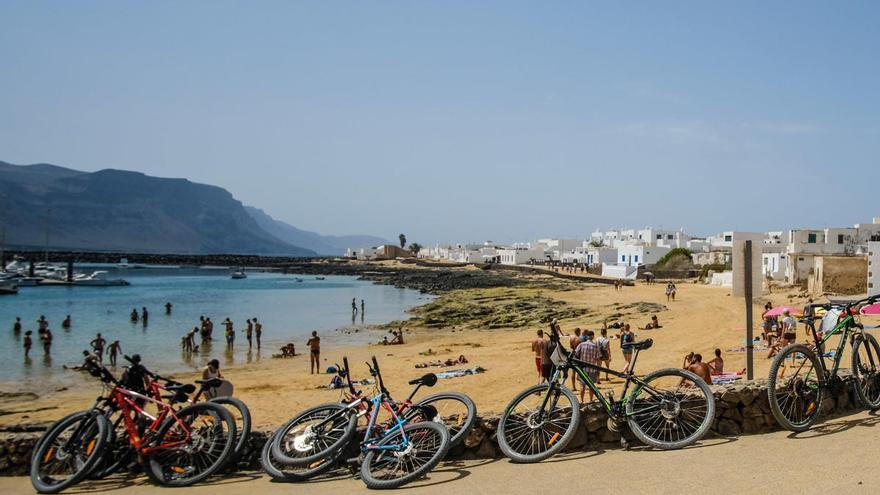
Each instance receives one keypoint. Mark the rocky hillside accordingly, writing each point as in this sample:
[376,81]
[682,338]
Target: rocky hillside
[115,210]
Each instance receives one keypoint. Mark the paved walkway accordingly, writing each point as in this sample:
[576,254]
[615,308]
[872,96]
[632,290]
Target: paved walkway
[838,456]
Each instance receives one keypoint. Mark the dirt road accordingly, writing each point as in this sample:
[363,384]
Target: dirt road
[838,456]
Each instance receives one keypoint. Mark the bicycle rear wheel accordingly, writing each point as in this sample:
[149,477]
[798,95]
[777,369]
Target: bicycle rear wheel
[535,426]
[391,467]
[866,370]
[314,434]
[242,417]
[192,445]
[280,472]
[68,451]
[456,411]
[670,409]
[795,387]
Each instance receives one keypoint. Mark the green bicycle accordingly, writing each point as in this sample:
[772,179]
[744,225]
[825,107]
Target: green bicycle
[799,377]
[668,409]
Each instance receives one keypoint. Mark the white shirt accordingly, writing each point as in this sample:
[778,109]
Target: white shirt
[789,324]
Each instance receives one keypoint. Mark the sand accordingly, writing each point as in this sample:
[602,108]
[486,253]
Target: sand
[701,319]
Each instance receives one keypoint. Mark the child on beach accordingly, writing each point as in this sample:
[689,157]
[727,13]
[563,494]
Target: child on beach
[538,348]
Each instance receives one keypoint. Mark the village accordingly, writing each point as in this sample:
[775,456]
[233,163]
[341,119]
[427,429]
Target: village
[836,260]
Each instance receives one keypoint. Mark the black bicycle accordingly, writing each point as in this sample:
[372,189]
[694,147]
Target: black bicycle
[799,377]
[668,409]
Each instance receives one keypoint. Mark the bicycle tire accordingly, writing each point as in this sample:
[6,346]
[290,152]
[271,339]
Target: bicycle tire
[157,462]
[96,425]
[674,419]
[460,432]
[438,442]
[813,403]
[281,447]
[279,472]
[866,375]
[558,441]
[243,430]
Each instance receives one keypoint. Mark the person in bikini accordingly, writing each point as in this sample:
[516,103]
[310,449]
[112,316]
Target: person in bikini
[716,365]
[314,344]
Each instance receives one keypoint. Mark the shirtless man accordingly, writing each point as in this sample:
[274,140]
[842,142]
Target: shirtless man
[98,346]
[314,344]
[258,331]
[538,348]
[114,349]
[699,368]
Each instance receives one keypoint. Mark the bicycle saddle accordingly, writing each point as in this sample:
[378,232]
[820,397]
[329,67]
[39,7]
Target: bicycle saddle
[639,346]
[428,380]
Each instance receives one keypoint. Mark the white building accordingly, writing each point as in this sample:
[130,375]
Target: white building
[723,240]
[556,248]
[873,267]
[519,255]
[774,265]
[636,255]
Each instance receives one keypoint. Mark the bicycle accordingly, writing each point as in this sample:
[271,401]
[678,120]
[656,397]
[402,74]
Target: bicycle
[670,408]
[796,399]
[393,453]
[178,447]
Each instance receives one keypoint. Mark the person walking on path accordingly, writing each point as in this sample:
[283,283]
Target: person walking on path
[28,343]
[314,344]
[670,291]
[249,334]
[98,346]
[113,350]
[258,331]
[538,349]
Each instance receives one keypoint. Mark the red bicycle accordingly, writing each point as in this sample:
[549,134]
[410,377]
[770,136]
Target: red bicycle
[176,447]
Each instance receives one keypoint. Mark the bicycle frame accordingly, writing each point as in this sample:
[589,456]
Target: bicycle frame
[126,401]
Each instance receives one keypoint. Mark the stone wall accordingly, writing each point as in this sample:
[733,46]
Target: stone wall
[742,408]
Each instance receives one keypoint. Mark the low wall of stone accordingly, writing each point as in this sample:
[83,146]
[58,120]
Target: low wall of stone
[742,408]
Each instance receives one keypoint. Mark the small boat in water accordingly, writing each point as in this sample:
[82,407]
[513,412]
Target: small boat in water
[8,289]
[98,279]
[28,281]
[239,273]
[299,280]
[319,278]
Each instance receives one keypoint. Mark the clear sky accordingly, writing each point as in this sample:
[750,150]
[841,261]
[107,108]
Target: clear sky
[464,121]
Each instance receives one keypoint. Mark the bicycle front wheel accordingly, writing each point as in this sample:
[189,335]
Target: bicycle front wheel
[795,387]
[314,434]
[280,472]
[68,451]
[538,423]
[670,409]
[454,410]
[242,417]
[393,462]
[866,376]
[192,445]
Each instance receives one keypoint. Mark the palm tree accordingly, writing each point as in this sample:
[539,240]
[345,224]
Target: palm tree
[402,240]
[415,247]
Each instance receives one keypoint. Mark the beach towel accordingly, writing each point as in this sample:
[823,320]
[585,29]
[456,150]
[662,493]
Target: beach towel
[461,372]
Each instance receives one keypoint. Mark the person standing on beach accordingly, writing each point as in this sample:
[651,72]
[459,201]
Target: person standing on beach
[626,337]
[249,334]
[28,343]
[314,344]
[145,315]
[538,348]
[16,327]
[113,350]
[589,352]
[98,346]
[258,330]
[168,308]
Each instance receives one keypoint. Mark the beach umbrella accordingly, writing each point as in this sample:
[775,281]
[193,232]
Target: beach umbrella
[873,309]
[778,310]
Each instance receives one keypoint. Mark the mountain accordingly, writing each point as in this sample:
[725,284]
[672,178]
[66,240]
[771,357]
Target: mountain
[117,210]
[321,244]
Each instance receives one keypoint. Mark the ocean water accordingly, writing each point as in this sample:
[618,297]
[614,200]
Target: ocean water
[289,311]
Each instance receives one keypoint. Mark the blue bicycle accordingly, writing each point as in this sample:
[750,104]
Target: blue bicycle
[392,453]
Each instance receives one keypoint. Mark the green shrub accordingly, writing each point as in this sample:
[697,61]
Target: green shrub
[675,253]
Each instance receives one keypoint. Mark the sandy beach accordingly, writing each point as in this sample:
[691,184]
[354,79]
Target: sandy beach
[700,319]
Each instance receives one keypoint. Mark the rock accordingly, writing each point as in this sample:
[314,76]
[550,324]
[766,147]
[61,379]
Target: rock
[487,449]
[728,427]
[734,414]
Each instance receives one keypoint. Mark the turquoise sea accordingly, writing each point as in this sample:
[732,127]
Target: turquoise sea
[288,309]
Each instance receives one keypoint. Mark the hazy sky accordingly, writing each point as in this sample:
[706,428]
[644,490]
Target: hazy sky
[464,121]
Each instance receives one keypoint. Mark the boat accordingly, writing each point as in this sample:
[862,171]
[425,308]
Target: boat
[98,279]
[8,289]
[299,280]
[123,263]
[239,273]
[319,278]
[28,281]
